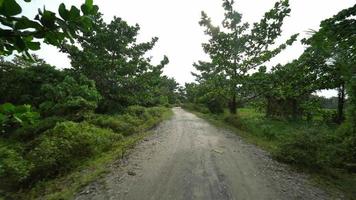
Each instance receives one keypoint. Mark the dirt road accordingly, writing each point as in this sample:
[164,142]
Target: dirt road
[187,158]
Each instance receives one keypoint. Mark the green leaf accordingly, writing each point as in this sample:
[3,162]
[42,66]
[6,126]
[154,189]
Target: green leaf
[89,3]
[20,44]
[86,22]
[24,23]
[48,19]
[7,108]
[74,13]
[10,8]
[85,9]
[33,45]
[63,12]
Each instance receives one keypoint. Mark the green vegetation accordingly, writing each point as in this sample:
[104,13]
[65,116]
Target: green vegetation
[56,124]
[311,146]
[284,115]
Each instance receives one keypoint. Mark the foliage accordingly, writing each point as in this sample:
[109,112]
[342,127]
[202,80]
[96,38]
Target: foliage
[236,49]
[73,97]
[304,148]
[67,143]
[111,56]
[135,119]
[20,33]
[117,77]
[13,167]
[12,117]
[334,43]
[28,133]
[21,81]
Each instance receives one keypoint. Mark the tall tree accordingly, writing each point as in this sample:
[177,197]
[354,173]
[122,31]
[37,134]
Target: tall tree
[334,43]
[111,56]
[236,48]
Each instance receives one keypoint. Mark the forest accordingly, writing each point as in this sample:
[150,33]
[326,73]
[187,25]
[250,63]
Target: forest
[55,121]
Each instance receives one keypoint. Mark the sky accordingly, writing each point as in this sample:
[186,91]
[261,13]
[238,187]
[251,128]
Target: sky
[175,23]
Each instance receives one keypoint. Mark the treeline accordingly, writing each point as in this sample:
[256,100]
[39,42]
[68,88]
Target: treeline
[236,78]
[51,119]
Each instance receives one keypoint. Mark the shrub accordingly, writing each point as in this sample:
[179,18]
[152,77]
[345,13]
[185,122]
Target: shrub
[135,119]
[309,148]
[215,106]
[235,121]
[138,111]
[196,107]
[156,112]
[63,146]
[345,131]
[30,132]
[13,117]
[13,167]
[268,132]
[72,97]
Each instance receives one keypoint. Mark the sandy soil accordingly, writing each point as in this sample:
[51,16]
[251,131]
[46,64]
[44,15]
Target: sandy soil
[187,158]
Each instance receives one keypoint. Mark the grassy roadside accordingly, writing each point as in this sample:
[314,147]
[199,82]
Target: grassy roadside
[269,134]
[66,185]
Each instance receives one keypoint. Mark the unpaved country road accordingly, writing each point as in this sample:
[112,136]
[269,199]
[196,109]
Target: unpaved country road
[187,158]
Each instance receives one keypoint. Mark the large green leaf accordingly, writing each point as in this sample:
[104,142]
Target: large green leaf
[63,12]
[33,45]
[89,3]
[7,108]
[74,13]
[24,23]
[9,8]
[48,19]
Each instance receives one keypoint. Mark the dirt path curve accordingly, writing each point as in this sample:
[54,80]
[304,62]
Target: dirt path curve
[187,158]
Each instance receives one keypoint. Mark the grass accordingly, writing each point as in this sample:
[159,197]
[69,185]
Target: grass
[268,134]
[65,186]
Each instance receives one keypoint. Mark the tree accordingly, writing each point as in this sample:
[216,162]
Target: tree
[19,32]
[334,43]
[111,56]
[21,80]
[72,97]
[236,49]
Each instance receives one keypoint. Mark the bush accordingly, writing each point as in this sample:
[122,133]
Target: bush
[196,107]
[156,112]
[72,97]
[135,119]
[30,132]
[215,106]
[122,124]
[61,148]
[308,148]
[138,111]
[345,131]
[268,132]
[235,121]
[13,167]
[13,117]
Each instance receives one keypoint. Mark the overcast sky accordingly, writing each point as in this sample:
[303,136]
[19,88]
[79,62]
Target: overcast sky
[175,23]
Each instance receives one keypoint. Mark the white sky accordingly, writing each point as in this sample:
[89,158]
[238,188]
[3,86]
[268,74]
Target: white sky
[175,22]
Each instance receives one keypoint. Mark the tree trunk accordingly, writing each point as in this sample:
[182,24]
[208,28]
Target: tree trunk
[233,105]
[341,103]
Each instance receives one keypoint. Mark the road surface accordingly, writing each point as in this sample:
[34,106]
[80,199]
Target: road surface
[188,158]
